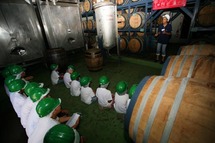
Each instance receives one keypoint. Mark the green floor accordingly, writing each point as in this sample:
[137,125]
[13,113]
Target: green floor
[98,126]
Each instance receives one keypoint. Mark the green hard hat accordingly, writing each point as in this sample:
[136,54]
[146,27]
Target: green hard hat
[46,106]
[15,69]
[85,80]
[16,85]
[53,66]
[103,80]
[9,79]
[74,75]
[60,134]
[30,86]
[132,90]
[38,92]
[6,72]
[71,67]
[121,87]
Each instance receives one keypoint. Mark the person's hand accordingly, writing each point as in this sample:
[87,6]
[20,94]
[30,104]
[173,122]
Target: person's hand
[63,119]
[28,78]
[156,34]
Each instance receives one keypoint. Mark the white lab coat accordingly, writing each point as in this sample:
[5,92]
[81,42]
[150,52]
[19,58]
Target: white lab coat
[17,101]
[67,80]
[44,124]
[25,111]
[54,77]
[32,121]
[87,94]
[120,104]
[75,88]
[104,95]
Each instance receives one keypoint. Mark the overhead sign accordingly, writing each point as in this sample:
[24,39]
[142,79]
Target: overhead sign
[165,4]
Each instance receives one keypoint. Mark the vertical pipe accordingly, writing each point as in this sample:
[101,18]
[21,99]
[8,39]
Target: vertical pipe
[196,9]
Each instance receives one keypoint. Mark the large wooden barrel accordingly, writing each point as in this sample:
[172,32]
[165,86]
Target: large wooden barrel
[135,44]
[57,56]
[198,67]
[123,43]
[172,110]
[130,33]
[121,2]
[137,20]
[94,59]
[91,24]
[197,49]
[206,16]
[122,20]
[87,5]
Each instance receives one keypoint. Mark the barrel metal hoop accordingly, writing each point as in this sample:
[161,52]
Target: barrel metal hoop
[192,66]
[155,109]
[174,110]
[185,50]
[165,66]
[200,49]
[182,65]
[173,66]
[143,104]
[133,101]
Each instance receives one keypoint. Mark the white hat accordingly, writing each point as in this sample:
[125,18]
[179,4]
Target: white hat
[167,16]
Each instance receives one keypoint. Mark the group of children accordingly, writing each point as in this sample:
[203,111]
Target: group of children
[42,116]
[39,114]
[80,86]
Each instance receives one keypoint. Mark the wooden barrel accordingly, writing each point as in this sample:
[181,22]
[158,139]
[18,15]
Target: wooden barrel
[140,34]
[172,110]
[87,5]
[122,20]
[198,67]
[131,10]
[84,25]
[130,34]
[135,44]
[137,20]
[91,24]
[197,49]
[123,43]
[94,59]
[159,20]
[81,7]
[206,16]
[121,2]
[57,56]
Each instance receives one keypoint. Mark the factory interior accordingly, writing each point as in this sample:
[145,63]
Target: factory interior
[163,48]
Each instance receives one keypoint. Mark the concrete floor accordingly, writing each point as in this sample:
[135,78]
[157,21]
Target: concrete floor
[98,126]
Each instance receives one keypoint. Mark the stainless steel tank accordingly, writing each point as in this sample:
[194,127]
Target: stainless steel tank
[106,23]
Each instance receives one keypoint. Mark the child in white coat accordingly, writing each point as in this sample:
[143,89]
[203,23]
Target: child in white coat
[103,94]
[55,76]
[66,78]
[87,94]
[75,88]
[121,97]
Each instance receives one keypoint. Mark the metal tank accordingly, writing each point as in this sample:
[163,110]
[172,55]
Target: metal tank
[106,23]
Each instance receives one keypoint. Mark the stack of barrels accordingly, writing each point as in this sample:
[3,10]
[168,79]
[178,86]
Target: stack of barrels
[132,42]
[179,105]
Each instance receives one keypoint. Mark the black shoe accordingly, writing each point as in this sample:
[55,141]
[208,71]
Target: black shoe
[161,62]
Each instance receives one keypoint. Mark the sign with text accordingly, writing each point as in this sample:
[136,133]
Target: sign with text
[165,4]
